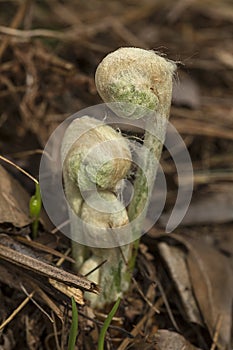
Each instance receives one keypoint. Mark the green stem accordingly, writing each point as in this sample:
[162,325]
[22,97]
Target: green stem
[35,209]
[144,181]
[74,326]
[106,324]
[143,80]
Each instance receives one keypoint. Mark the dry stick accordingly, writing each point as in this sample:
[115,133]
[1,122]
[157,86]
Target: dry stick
[15,23]
[17,310]
[68,35]
[59,227]
[20,169]
[216,333]
[144,296]
[166,303]
[28,34]
[46,249]
[140,324]
[85,31]
[37,305]
[95,268]
[50,336]
[55,332]
[194,127]
[29,263]
[48,301]
[64,257]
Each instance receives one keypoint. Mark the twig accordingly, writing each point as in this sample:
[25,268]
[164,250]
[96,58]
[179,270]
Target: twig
[29,263]
[44,248]
[28,34]
[216,333]
[97,267]
[64,257]
[136,329]
[144,296]
[17,310]
[166,303]
[15,23]
[20,169]
[55,332]
[34,302]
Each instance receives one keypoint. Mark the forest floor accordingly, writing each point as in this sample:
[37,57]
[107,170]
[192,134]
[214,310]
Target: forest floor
[181,293]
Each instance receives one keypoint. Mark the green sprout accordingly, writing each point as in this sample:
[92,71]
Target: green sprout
[35,209]
[106,324]
[74,326]
[143,80]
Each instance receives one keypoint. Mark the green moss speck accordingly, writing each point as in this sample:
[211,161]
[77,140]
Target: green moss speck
[116,273]
[130,94]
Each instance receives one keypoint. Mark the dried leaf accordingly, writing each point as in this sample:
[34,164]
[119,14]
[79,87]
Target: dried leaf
[212,282]
[167,340]
[210,273]
[16,254]
[212,208]
[176,263]
[13,201]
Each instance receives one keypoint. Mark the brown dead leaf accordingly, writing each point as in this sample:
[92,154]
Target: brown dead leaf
[215,207]
[167,340]
[20,255]
[14,201]
[176,263]
[212,282]
[210,274]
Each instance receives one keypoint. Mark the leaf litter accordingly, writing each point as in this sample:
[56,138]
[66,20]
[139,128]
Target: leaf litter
[49,52]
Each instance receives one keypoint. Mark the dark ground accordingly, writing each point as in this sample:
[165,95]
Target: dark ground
[49,51]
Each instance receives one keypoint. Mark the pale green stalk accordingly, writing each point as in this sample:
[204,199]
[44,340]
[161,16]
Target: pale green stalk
[143,79]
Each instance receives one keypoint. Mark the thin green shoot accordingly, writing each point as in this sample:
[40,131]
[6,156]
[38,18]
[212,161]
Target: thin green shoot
[74,326]
[35,209]
[106,324]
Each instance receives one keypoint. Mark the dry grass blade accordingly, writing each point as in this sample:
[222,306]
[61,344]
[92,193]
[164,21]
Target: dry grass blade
[15,23]
[27,34]
[140,324]
[136,329]
[216,333]
[46,270]
[17,310]
[68,290]
[194,127]
[37,305]
[44,248]
[51,304]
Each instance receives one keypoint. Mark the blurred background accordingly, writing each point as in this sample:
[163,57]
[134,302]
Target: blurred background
[49,51]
